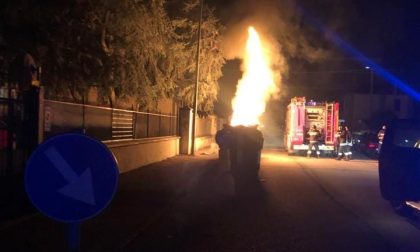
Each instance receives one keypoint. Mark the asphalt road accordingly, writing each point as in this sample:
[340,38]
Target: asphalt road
[190,204]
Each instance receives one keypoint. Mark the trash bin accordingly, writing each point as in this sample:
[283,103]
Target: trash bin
[245,153]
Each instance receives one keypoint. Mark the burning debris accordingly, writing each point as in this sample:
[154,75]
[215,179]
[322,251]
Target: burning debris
[257,84]
[241,142]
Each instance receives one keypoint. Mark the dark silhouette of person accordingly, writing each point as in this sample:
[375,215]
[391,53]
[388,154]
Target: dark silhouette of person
[381,135]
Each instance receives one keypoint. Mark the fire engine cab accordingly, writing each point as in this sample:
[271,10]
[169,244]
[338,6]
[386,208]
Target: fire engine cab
[300,117]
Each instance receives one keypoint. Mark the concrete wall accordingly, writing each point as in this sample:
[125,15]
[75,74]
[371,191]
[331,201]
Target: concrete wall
[206,144]
[185,130]
[206,128]
[206,132]
[132,154]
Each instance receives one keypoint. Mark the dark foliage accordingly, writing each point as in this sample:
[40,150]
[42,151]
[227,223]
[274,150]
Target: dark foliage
[129,49]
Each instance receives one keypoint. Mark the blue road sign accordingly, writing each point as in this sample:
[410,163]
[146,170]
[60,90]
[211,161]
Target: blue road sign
[71,177]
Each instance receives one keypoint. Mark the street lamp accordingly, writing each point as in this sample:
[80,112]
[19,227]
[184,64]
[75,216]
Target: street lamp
[197,73]
[371,88]
[371,79]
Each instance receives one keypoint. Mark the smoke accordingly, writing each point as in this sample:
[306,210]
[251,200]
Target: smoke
[293,43]
[280,26]
[278,21]
[289,41]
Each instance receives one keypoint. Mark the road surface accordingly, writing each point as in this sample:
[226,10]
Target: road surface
[190,204]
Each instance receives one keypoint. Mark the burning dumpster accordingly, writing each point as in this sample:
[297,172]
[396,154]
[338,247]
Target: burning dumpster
[256,86]
[245,153]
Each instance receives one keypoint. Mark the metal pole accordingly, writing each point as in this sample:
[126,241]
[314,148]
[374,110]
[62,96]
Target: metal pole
[160,124]
[147,123]
[371,91]
[197,73]
[73,237]
[83,114]
[134,125]
[11,130]
[41,114]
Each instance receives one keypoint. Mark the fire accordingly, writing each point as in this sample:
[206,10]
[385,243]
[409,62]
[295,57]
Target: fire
[256,86]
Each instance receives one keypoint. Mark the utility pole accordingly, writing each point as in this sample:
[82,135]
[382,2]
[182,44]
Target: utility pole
[370,89]
[197,73]
[371,92]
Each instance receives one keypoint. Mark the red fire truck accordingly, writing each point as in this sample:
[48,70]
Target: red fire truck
[300,117]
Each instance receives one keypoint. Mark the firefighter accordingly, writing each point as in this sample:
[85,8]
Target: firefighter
[381,135]
[342,138]
[349,139]
[337,140]
[314,136]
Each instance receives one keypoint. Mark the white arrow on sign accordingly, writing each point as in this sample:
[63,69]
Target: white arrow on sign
[79,187]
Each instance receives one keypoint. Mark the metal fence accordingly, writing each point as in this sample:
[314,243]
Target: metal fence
[106,123]
[61,117]
[12,154]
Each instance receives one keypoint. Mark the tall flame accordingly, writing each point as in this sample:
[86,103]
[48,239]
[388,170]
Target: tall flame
[256,86]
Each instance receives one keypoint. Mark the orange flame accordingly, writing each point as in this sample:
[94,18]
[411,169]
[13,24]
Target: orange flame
[256,86]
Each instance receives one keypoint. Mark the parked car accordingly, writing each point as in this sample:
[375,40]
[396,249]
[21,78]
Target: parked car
[366,143]
[356,140]
[370,144]
[399,164]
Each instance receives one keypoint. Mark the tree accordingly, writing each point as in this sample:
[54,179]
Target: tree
[211,56]
[127,48]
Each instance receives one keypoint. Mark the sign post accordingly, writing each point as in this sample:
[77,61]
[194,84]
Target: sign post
[71,178]
[73,241]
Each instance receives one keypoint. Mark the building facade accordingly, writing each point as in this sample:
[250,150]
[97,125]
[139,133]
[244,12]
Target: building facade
[370,111]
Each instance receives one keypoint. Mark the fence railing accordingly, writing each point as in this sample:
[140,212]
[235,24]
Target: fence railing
[106,123]
[12,138]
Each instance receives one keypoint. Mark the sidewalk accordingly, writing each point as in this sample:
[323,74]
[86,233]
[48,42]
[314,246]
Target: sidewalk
[14,203]
[143,198]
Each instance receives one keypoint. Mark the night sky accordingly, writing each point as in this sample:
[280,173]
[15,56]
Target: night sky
[384,29]
[388,32]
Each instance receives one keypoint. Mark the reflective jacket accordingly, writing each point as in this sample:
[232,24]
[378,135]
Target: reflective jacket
[341,136]
[314,135]
[349,138]
[381,135]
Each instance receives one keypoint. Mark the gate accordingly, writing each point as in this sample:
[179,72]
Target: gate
[12,154]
